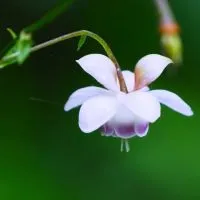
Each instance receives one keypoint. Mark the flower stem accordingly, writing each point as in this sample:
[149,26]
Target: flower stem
[96,37]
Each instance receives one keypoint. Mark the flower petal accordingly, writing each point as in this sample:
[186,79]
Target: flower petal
[81,95]
[97,111]
[107,130]
[144,89]
[142,104]
[125,131]
[173,101]
[123,122]
[101,68]
[141,128]
[149,68]
[129,78]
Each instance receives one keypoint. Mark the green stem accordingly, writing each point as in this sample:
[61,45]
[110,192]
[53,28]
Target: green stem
[100,40]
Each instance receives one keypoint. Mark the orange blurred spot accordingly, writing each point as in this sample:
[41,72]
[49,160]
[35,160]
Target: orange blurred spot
[170,28]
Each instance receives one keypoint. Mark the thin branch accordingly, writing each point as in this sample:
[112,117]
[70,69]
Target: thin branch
[96,37]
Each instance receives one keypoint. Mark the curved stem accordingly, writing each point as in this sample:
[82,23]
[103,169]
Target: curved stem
[100,40]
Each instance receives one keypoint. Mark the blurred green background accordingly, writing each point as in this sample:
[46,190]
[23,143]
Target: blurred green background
[44,155]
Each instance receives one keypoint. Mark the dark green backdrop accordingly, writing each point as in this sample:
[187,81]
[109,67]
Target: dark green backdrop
[44,155]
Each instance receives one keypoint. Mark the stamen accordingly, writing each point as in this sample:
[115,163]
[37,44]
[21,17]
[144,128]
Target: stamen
[124,144]
[127,145]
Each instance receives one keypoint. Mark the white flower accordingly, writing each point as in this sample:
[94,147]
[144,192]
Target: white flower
[118,114]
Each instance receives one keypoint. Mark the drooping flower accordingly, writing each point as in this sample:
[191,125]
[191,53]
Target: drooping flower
[119,114]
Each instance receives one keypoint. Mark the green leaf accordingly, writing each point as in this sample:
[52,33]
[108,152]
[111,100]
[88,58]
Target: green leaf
[23,46]
[19,52]
[51,15]
[81,42]
[4,63]
[8,57]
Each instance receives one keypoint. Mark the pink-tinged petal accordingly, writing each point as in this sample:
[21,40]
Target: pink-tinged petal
[149,68]
[173,101]
[141,128]
[123,122]
[142,104]
[96,111]
[129,78]
[81,95]
[125,131]
[101,68]
[107,130]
